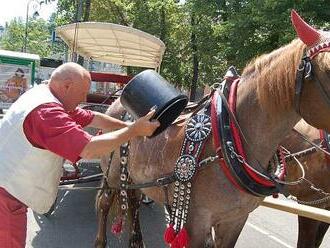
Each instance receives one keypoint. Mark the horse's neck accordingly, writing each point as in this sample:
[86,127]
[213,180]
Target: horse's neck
[263,131]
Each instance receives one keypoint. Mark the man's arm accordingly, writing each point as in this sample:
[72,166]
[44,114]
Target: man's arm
[50,127]
[105,122]
[105,143]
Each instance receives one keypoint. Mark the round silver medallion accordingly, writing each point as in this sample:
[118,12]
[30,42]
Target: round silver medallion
[185,168]
[198,128]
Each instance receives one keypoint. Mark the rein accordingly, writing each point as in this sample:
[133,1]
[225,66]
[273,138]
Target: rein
[289,156]
[302,178]
[302,136]
[159,182]
[169,178]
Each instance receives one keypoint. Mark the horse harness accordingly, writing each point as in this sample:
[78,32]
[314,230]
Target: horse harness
[228,143]
[216,114]
[305,72]
[212,115]
[234,164]
[226,140]
[323,146]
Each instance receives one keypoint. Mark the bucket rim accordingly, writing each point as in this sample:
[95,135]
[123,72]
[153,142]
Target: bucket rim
[163,111]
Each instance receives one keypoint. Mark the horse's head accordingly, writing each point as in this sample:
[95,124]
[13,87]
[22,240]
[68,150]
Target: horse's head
[312,95]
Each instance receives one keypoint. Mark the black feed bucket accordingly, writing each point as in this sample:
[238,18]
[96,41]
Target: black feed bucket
[148,89]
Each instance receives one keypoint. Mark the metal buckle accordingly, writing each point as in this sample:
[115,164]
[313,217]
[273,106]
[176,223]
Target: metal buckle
[308,70]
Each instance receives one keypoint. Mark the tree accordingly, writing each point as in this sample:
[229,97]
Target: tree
[38,40]
[160,18]
[13,38]
[250,28]
[72,12]
[203,38]
[58,47]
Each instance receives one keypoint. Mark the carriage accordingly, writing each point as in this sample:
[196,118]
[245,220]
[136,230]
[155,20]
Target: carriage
[114,44]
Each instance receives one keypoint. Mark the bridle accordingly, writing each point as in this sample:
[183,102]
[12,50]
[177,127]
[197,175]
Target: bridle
[305,72]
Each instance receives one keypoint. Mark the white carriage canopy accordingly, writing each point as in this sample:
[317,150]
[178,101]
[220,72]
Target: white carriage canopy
[113,43]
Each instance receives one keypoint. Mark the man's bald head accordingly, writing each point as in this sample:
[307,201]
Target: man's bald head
[69,72]
[70,83]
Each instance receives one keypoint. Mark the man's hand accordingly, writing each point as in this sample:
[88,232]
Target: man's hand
[143,126]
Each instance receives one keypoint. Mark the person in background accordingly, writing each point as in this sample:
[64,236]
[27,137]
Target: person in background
[41,128]
[16,85]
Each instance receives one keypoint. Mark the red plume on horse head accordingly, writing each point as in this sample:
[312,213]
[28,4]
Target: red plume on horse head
[316,41]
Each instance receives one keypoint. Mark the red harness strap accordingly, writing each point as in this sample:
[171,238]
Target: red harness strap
[237,138]
[216,140]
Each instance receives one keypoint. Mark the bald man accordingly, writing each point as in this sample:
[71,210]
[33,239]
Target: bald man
[40,129]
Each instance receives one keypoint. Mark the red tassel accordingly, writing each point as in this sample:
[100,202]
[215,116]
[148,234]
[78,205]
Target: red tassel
[117,226]
[175,243]
[183,238]
[169,234]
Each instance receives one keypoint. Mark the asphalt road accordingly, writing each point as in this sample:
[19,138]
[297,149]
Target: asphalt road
[73,225]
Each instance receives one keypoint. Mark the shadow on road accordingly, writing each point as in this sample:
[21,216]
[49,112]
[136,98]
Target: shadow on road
[73,224]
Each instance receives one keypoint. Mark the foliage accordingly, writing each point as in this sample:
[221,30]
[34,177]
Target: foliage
[226,32]
[251,28]
[13,38]
[66,12]
[159,18]
[38,36]
[202,38]
[37,39]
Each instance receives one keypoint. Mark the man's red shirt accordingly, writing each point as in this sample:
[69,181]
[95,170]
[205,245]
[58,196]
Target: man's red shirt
[50,127]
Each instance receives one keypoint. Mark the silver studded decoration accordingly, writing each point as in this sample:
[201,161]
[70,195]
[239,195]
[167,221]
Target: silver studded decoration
[123,179]
[198,130]
[185,168]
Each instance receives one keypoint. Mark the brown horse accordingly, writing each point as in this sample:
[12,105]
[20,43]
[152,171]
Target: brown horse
[265,110]
[317,168]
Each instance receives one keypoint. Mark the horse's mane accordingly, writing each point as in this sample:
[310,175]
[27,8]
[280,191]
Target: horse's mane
[323,61]
[275,74]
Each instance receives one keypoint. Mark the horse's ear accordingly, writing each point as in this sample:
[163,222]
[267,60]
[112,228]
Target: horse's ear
[305,32]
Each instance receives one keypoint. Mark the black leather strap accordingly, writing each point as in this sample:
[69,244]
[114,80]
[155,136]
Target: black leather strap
[226,139]
[304,67]
[305,72]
